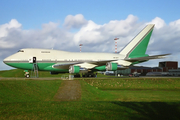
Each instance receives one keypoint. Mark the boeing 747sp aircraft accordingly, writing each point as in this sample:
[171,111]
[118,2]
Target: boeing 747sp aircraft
[57,61]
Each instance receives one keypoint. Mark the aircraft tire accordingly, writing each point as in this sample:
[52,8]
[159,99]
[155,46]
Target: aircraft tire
[27,76]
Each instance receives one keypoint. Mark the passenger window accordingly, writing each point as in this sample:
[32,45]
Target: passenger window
[21,51]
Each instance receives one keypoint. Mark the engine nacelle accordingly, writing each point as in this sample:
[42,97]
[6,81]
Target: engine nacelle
[111,66]
[74,69]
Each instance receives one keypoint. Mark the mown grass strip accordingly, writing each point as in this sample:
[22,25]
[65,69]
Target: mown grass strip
[91,93]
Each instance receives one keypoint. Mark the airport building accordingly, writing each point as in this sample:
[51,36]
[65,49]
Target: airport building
[168,65]
[164,68]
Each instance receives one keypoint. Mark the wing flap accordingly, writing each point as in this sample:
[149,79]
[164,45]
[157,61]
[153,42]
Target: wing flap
[65,65]
[101,62]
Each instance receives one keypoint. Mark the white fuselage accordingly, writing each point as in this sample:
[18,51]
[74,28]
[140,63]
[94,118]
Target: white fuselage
[47,56]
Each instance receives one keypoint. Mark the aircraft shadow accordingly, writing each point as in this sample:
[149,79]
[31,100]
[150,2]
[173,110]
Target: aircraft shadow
[151,110]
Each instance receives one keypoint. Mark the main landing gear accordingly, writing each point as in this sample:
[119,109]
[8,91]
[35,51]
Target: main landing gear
[85,75]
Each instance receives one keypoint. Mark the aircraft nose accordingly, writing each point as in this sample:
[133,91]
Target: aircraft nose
[6,60]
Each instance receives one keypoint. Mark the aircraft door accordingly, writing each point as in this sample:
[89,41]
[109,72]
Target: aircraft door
[34,59]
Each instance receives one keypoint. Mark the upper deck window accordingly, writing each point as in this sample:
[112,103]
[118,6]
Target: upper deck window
[21,51]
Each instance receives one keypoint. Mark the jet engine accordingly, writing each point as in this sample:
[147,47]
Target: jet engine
[74,69]
[111,66]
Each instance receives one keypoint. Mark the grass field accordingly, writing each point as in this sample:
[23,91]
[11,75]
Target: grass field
[140,89]
[112,98]
[19,73]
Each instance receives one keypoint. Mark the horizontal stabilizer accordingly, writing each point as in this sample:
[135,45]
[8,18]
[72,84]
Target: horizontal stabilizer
[146,58]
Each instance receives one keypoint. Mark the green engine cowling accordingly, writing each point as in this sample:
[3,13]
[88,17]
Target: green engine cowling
[74,69]
[111,66]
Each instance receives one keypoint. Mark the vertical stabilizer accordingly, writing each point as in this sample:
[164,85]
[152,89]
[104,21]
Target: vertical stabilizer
[137,47]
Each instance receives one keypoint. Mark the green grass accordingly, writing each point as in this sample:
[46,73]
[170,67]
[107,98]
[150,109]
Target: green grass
[135,83]
[12,73]
[112,98]
[19,73]
[146,95]
[139,89]
[90,93]
[91,110]
[27,90]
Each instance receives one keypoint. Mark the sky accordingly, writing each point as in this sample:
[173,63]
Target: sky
[63,25]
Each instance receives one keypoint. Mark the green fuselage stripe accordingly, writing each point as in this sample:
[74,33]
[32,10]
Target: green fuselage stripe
[45,66]
[41,66]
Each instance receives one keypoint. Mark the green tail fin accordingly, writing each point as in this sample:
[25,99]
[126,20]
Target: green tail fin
[138,46]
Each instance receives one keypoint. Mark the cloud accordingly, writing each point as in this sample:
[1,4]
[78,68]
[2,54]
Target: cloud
[165,38]
[94,33]
[76,21]
[5,31]
[94,37]
[160,23]
[8,26]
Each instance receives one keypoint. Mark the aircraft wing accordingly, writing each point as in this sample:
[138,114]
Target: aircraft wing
[101,62]
[65,65]
[146,58]
[87,65]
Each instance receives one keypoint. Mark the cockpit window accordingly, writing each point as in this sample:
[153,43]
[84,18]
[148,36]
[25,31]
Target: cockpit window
[21,51]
